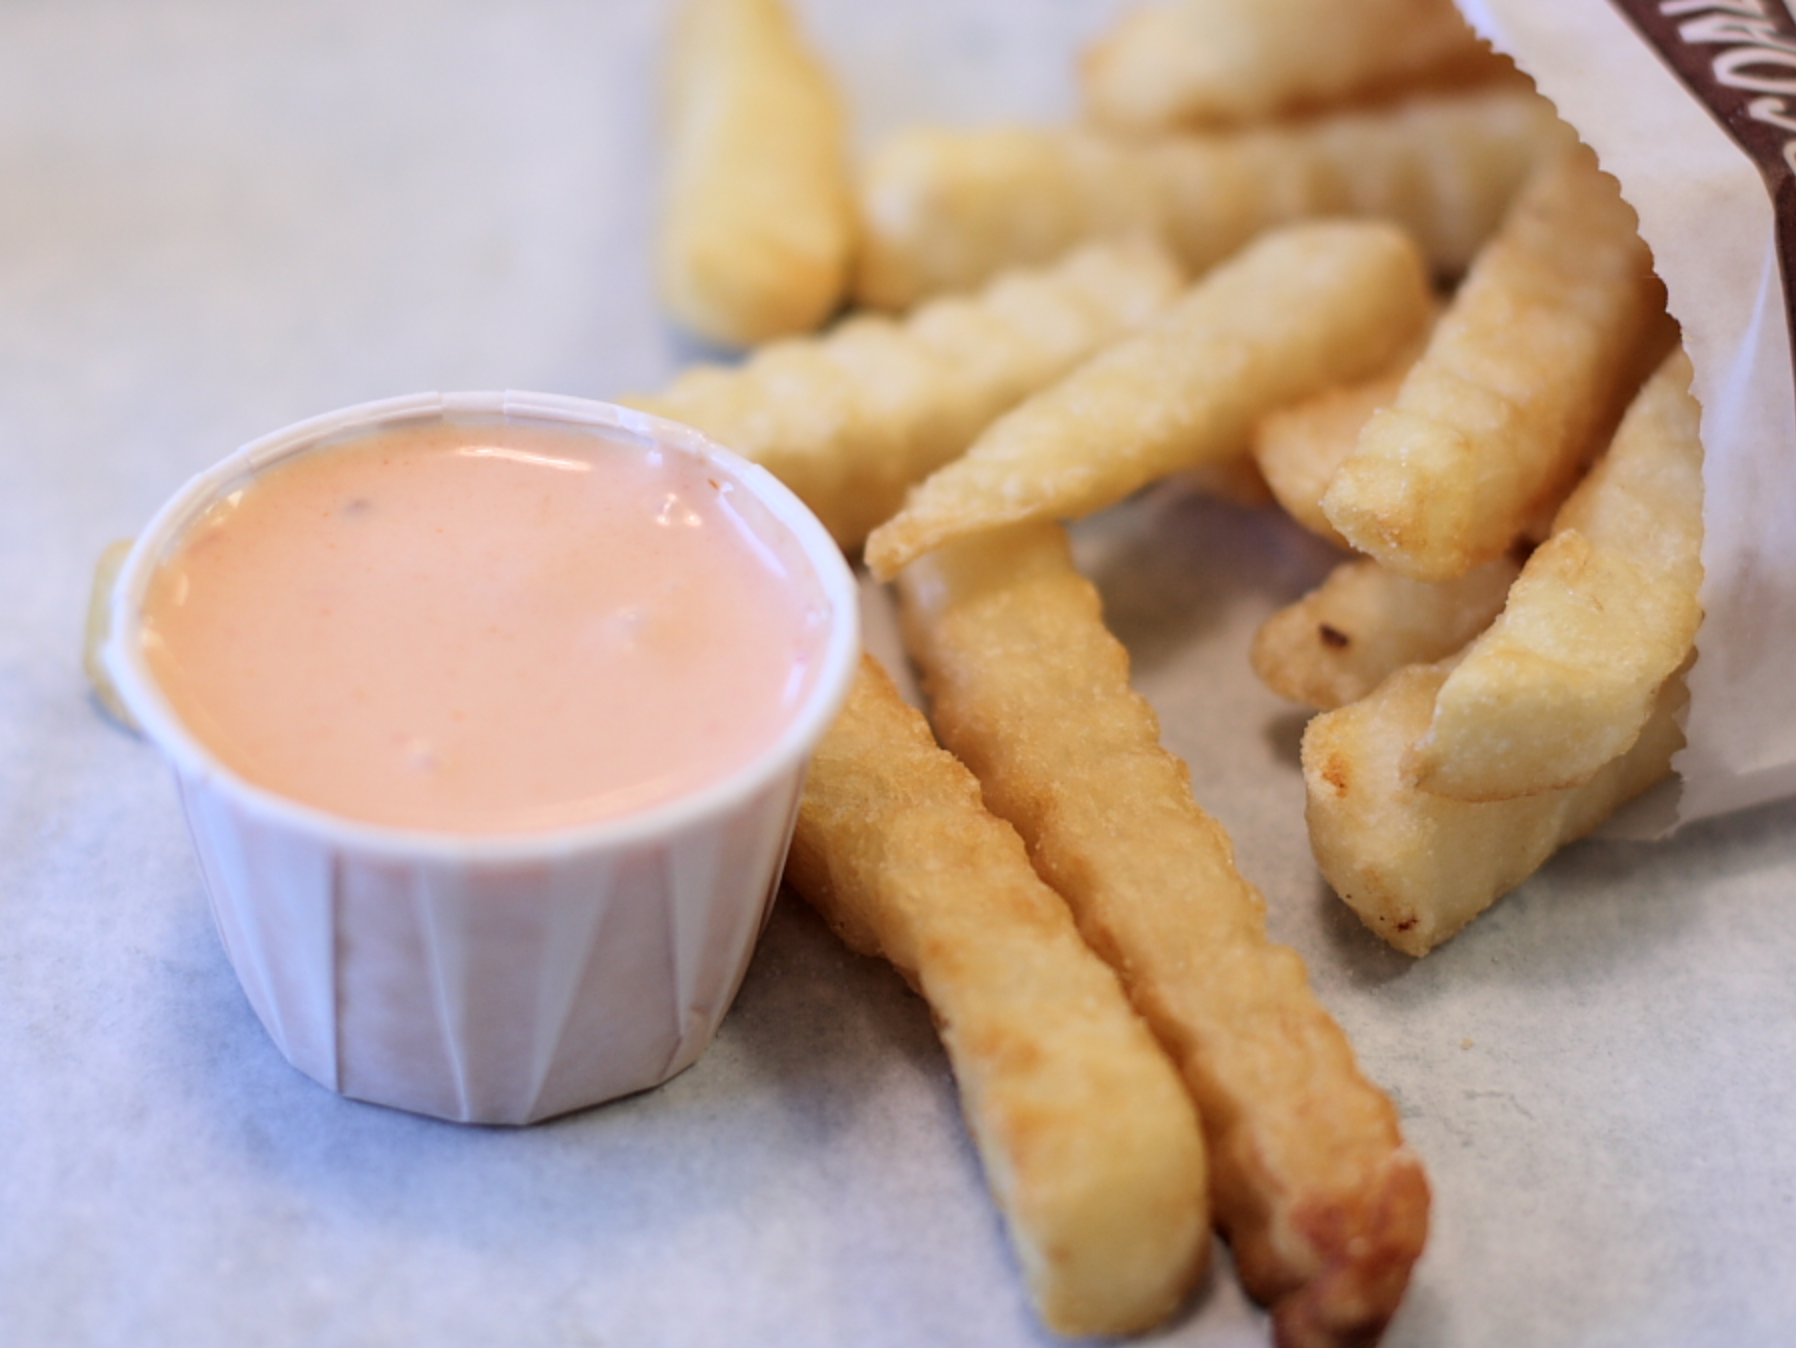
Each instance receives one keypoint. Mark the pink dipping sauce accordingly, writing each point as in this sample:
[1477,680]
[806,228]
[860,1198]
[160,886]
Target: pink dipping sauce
[484,628]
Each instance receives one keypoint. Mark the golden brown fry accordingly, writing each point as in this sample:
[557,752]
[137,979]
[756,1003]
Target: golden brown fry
[99,628]
[1527,369]
[758,227]
[1299,448]
[1340,641]
[850,419]
[1604,612]
[1298,310]
[1089,1141]
[944,208]
[1196,62]
[1417,867]
[1324,1205]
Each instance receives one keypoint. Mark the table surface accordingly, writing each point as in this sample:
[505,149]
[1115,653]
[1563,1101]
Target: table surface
[219,218]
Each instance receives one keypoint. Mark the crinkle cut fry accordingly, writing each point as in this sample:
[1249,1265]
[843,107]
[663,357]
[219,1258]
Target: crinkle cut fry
[758,226]
[1194,62]
[1324,1205]
[1417,867]
[1525,374]
[851,418]
[943,208]
[1602,614]
[1299,447]
[1363,623]
[1089,1141]
[1301,308]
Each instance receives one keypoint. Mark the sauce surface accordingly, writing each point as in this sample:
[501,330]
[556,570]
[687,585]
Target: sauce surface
[484,629]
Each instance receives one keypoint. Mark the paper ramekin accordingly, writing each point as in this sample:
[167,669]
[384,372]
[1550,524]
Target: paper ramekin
[489,979]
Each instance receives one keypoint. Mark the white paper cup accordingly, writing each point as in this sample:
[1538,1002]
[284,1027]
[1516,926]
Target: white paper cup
[490,979]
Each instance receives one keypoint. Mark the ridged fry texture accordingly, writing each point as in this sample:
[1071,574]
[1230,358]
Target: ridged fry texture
[1090,1143]
[1324,1205]
[943,208]
[852,418]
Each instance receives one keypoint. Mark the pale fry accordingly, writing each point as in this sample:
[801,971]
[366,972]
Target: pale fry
[1193,62]
[852,418]
[758,227]
[1417,867]
[99,628]
[1324,1205]
[1300,447]
[1300,309]
[1340,641]
[1089,1140]
[1529,366]
[942,209]
[1603,613]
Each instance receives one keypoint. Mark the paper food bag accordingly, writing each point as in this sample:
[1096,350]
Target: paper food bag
[1691,104]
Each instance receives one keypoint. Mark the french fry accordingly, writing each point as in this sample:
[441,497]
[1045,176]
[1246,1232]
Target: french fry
[1363,623]
[1529,366]
[1325,1207]
[1300,309]
[852,418]
[1089,1141]
[757,228]
[99,628]
[1417,867]
[942,209]
[1217,62]
[1603,613]
[1300,447]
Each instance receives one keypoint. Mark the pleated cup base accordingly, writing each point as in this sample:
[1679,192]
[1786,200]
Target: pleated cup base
[490,992]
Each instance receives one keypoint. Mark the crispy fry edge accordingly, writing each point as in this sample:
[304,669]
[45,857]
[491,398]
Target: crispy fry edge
[1090,1144]
[1326,1207]
[1300,309]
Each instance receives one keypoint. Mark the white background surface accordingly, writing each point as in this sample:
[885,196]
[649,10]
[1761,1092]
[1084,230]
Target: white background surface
[218,218]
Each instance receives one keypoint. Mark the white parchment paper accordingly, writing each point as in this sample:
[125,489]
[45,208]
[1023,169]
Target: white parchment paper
[218,217]
[1708,217]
